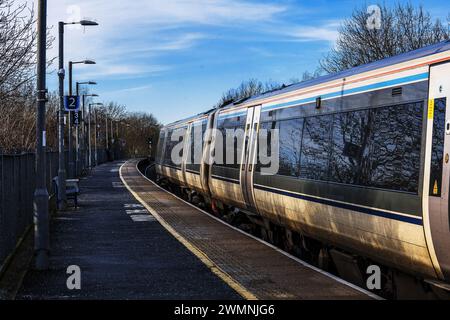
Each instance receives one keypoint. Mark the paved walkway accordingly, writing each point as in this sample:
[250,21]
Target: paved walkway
[122,251]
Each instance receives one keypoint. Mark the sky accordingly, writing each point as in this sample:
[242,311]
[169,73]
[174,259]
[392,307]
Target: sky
[175,58]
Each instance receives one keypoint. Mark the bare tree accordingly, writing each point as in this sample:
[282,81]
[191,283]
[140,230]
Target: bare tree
[131,131]
[17,47]
[401,28]
[139,130]
[17,75]
[115,110]
[309,76]
[248,89]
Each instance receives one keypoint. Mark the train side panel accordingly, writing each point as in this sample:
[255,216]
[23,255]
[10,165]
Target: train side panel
[366,189]
[224,177]
[392,242]
[377,227]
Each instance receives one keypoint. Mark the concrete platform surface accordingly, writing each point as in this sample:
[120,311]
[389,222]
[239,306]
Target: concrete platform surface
[121,250]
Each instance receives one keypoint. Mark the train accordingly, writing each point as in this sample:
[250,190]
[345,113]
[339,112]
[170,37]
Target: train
[363,168]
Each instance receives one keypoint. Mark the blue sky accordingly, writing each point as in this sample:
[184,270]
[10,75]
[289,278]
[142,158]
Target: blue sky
[175,58]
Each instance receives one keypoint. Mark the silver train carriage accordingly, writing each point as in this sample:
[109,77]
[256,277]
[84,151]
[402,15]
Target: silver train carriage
[363,160]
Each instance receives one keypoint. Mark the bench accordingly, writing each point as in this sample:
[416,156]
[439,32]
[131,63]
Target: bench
[72,189]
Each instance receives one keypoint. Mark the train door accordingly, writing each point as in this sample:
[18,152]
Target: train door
[205,166]
[436,218]
[160,151]
[186,150]
[249,155]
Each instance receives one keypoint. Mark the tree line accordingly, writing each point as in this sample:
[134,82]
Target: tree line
[18,94]
[401,28]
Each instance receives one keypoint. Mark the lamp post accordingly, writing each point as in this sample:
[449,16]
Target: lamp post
[82,140]
[95,138]
[41,219]
[106,130]
[86,138]
[95,133]
[71,164]
[89,140]
[109,136]
[84,154]
[117,140]
[112,139]
[61,73]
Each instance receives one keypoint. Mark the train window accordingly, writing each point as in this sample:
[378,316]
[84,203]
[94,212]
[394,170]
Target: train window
[217,154]
[290,138]
[378,147]
[233,138]
[167,148]
[238,145]
[394,154]
[220,136]
[351,133]
[437,150]
[171,144]
[232,135]
[195,148]
[204,127]
[234,121]
[315,148]
[159,149]
[266,128]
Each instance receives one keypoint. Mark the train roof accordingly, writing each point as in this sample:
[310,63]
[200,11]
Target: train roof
[404,57]
[191,118]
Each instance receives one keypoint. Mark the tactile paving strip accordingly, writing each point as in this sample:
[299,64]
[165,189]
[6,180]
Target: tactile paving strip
[260,269]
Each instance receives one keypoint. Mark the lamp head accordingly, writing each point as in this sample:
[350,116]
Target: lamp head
[88,23]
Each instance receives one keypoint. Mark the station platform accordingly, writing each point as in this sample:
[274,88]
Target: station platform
[254,268]
[132,239]
[121,255]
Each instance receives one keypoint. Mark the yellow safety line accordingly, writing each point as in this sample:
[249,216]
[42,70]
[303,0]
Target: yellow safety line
[192,248]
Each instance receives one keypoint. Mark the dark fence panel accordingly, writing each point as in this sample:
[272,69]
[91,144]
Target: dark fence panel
[17,183]
[2,215]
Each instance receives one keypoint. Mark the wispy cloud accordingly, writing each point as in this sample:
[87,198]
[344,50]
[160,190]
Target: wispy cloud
[133,89]
[159,44]
[121,71]
[150,38]
[184,11]
[144,29]
[307,33]
[179,43]
[326,31]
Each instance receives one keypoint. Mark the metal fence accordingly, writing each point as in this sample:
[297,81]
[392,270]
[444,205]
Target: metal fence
[17,182]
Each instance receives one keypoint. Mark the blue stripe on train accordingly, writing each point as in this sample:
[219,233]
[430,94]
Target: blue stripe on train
[347,206]
[379,85]
[226,179]
[389,83]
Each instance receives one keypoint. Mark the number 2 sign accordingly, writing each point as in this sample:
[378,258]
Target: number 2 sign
[71,103]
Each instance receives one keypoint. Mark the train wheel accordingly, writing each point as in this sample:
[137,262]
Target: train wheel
[324,260]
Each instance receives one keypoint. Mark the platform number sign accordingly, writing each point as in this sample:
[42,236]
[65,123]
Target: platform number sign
[71,103]
[76,118]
